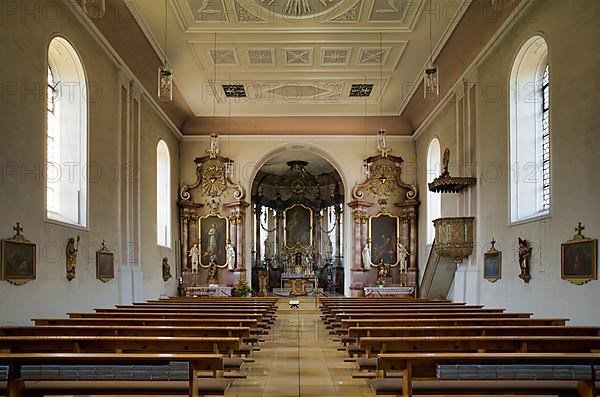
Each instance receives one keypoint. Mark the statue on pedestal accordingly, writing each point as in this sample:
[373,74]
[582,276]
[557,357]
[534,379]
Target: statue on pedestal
[195,255]
[366,257]
[402,254]
[230,253]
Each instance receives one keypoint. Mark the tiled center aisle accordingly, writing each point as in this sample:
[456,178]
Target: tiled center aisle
[322,368]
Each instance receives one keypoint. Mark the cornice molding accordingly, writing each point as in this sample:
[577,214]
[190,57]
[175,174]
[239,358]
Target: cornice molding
[300,138]
[119,62]
[471,69]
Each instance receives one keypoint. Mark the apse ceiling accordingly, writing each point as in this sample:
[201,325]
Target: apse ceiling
[296,57]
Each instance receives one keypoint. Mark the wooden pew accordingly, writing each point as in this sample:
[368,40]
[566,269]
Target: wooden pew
[481,330]
[124,330]
[118,344]
[429,315]
[260,314]
[499,343]
[418,374]
[167,315]
[468,321]
[16,386]
[148,321]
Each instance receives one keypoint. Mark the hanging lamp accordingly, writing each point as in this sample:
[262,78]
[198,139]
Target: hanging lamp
[431,79]
[165,73]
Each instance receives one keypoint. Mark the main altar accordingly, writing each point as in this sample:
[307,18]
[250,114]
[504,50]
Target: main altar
[297,224]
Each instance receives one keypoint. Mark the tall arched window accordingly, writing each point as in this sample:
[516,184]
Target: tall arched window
[434,200]
[163,195]
[66,135]
[530,132]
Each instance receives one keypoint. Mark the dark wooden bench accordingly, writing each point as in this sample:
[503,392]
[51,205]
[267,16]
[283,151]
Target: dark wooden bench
[124,330]
[418,374]
[148,321]
[194,386]
[468,321]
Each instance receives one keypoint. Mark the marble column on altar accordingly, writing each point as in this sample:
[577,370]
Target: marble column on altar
[360,236]
[236,225]
[409,216]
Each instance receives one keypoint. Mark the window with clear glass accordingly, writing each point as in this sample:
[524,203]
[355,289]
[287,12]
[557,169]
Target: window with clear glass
[434,201]
[163,195]
[530,132]
[66,135]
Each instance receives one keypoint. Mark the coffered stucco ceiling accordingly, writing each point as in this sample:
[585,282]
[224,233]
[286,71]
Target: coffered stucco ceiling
[296,57]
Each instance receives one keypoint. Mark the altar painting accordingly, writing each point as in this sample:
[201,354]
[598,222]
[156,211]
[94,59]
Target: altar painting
[384,230]
[298,226]
[213,238]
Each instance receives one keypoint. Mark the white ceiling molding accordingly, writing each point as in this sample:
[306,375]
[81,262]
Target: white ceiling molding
[294,139]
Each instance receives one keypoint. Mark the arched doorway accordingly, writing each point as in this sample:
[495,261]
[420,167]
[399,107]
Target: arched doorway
[297,228]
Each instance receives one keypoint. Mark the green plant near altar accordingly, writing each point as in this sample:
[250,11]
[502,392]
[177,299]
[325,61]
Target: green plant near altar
[242,288]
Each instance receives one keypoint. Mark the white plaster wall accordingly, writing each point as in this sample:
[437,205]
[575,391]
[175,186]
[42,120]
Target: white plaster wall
[573,36]
[23,49]
[345,153]
[153,129]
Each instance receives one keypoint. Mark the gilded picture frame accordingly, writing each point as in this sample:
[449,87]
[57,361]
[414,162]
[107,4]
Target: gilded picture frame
[295,220]
[18,260]
[492,264]
[105,264]
[384,237]
[579,260]
[213,235]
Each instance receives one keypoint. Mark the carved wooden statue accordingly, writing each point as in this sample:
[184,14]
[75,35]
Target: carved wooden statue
[71,255]
[382,272]
[524,255]
[166,269]
[213,272]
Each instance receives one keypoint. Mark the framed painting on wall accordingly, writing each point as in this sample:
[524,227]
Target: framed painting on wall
[105,264]
[18,259]
[492,264]
[298,224]
[213,240]
[578,259]
[384,236]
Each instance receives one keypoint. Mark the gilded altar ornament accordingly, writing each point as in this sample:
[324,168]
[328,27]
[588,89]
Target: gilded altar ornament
[213,272]
[166,269]
[524,251]
[382,273]
[71,257]
[449,184]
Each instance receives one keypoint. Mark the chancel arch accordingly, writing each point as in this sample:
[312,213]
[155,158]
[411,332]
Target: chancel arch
[298,221]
